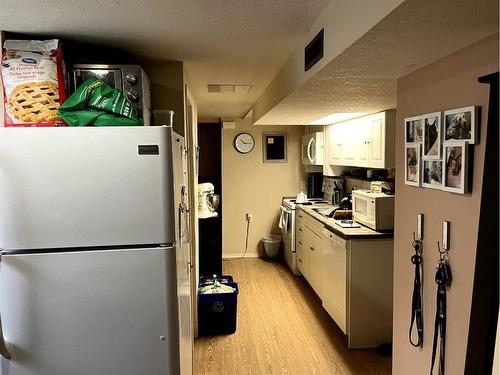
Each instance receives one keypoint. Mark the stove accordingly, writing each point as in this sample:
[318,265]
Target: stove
[289,207]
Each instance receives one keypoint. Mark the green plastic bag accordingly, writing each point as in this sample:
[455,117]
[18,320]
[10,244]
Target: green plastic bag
[96,103]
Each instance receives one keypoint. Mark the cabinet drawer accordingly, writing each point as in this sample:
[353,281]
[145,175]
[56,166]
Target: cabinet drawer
[306,220]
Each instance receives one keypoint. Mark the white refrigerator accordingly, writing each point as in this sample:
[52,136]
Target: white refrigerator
[90,239]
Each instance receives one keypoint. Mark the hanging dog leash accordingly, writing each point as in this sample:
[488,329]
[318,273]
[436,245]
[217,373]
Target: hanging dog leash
[443,279]
[416,301]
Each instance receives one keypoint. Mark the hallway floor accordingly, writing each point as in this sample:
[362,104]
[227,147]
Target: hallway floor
[281,329]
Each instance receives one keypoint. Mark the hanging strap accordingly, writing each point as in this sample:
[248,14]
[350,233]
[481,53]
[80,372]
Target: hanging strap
[443,276]
[416,302]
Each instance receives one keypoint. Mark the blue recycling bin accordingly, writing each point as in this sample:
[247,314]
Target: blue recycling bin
[217,313]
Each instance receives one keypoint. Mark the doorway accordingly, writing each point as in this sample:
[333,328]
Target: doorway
[210,234]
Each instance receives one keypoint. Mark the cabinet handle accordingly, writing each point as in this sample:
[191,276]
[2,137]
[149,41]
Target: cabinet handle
[300,260]
[301,216]
[300,230]
[312,248]
[300,243]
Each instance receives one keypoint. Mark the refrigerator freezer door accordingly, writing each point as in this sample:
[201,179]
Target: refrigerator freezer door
[81,187]
[108,312]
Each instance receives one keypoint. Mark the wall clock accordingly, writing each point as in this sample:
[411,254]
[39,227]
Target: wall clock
[244,143]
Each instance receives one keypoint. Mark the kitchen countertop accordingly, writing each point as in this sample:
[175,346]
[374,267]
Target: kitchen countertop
[346,233]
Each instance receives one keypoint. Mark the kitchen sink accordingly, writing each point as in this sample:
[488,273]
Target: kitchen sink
[324,211]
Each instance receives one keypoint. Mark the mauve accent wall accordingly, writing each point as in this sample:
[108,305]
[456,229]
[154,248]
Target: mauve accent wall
[445,84]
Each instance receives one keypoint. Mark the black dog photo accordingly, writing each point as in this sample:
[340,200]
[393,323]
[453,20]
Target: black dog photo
[432,137]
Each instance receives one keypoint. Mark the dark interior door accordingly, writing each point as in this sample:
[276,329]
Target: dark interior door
[209,140]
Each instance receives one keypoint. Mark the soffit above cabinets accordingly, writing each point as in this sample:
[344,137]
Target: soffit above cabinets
[362,78]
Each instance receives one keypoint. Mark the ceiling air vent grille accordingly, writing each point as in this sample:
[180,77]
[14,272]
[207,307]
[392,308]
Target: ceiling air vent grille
[228,89]
[314,51]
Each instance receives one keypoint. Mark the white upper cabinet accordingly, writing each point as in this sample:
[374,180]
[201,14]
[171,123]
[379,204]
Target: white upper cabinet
[364,142]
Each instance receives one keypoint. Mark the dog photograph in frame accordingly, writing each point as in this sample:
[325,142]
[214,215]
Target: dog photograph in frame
[413,163]
[461,125]
[432,136]
[455,167]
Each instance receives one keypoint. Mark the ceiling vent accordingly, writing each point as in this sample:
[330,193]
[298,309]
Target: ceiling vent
[228,89]
[314,51]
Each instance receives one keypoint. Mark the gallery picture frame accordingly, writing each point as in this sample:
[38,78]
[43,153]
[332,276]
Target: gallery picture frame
[439,174]
[460,162]
[432,147]
[414,122]
[413,179]
[450,119]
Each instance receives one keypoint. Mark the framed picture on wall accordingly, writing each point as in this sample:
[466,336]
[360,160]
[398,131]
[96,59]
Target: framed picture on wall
[432,174]
[455,167]
[414,129]
[413,162]
[432,136]
[274,147]
[460,125]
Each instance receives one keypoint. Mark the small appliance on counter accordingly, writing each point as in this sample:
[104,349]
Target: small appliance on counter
[374,210]
[207,201]
[344,205]
[131,80]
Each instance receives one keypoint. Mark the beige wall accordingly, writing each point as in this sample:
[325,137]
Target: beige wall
[167,89]
[249,185]
[446,84]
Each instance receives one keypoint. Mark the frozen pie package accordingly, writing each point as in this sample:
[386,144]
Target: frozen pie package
[33,82]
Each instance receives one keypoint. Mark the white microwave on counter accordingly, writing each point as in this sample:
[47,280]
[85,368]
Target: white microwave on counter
[374,210]
[313,149]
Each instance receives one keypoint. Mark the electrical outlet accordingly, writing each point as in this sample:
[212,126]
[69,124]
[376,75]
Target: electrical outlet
[248,217]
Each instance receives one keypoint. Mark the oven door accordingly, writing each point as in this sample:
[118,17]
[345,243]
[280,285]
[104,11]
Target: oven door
[112,77]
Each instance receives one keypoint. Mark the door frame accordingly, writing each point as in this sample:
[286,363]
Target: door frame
[191,139]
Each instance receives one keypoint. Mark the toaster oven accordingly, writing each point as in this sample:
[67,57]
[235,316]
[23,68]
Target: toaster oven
[131,80]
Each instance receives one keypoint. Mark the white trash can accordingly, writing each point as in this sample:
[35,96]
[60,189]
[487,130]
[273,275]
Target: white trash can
[271,243]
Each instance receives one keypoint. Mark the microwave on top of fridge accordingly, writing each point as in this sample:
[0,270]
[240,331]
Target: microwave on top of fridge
[313,149]
[374,210]
[131,80]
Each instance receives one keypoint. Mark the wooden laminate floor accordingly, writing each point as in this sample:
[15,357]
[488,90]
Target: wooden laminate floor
[282,329]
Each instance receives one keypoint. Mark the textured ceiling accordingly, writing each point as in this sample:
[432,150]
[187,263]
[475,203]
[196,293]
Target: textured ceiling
[220,41]
[363,78]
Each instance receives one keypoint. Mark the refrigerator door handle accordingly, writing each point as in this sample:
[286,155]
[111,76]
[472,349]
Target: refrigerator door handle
[4,352]
[3,345]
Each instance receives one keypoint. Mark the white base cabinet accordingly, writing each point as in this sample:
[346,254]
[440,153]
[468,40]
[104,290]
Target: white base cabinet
[309,250]
[352,277]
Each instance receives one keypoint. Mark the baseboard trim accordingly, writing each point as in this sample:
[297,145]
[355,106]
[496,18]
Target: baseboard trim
[247,255]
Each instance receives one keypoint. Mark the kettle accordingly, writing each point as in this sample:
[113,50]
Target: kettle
[301,198]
